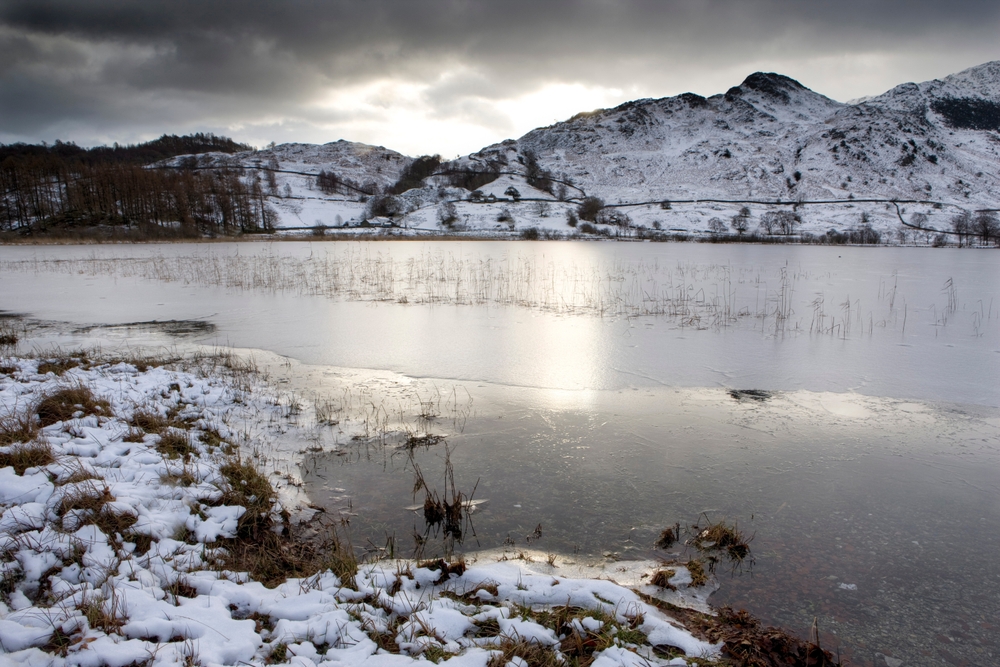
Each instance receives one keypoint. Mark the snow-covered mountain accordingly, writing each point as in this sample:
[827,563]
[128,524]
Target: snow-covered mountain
[768,139]
[772,138]
[353,162]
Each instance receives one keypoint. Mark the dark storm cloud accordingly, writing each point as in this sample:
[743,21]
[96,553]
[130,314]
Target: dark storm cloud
[155,65]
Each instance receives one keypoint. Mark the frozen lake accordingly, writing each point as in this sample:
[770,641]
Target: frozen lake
[585,386]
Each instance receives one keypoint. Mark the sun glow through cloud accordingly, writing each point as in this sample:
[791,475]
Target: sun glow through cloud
[400,115]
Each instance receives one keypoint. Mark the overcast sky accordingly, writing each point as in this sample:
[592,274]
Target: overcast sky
[440,76]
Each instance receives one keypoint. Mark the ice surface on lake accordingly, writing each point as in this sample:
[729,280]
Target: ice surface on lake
[903,322]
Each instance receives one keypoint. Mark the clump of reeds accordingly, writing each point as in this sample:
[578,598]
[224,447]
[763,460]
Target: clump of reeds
[729,540]
[413,440]
[9,335]
[697,572]
[449,511]
[108,615]
[669,536]
[85,496]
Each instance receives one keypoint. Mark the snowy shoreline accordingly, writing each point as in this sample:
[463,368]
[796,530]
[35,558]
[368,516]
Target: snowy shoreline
[114,552]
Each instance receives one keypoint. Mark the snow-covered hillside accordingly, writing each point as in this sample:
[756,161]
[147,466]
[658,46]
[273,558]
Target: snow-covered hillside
[934,145]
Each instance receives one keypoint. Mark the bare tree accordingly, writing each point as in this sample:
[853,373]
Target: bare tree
[781,222]
[961,224]
[986,226]
[741,221]
[589,208]
[717,226]
[447,214]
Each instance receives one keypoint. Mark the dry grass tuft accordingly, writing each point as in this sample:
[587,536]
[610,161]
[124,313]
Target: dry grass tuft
[697,570]
[750,644]
[16,428]
[175,444]
[134,435]
[662,579]
[105,615]
[143,543]
[212,439]
[248,487]
[78,474]
[64,403]
[729,540]
[271,558]
[149,422]
[31,455]
[668,537]
[183,478]
[268,556]
[85,496]
[8,334]
[531,652]
[57,366]
[114,524]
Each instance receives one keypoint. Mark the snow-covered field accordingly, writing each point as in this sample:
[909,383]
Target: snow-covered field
[118,491]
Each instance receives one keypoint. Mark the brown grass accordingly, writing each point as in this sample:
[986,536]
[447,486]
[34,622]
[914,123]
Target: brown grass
[114,524]
[533,653]
[662,579]
[8,334]
[271,558]
[175,444]
[245,485]
[183,478]
[31,455]
[697,570]
[86,496]
[134,435]
[64,403]
[16,428]
[750,644]
[668,537]
[105,615]
[79,474]
[725,539]
[57,366]
[148,421]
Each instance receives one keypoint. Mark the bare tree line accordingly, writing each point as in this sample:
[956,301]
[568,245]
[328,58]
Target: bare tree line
[40,192]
